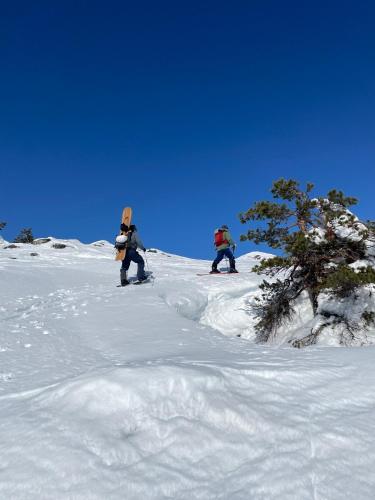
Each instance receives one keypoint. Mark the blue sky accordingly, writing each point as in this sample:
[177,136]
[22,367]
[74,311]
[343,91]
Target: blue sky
[186,111]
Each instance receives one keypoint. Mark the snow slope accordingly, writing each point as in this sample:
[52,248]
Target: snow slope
[148,392]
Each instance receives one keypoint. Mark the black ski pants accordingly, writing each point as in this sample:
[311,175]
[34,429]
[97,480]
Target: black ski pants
[133,256]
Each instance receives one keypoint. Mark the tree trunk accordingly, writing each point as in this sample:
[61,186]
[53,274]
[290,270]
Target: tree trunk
[302,225]
[309,339]
[313,296]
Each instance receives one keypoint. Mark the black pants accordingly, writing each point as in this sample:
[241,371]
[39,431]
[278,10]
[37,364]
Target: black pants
[133,256]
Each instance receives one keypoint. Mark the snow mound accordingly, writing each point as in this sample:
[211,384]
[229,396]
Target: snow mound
[189,430]
[224,308]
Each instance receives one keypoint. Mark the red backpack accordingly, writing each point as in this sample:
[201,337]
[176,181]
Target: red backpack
[219,238]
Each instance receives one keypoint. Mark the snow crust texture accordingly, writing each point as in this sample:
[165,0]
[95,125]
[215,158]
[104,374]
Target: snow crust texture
[148,392]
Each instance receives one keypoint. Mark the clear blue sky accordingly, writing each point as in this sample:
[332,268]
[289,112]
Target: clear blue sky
[186,111]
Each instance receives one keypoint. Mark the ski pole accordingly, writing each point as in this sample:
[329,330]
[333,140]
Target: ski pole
[148,270]
[147,266]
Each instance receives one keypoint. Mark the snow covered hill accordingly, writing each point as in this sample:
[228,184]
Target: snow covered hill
[159,391]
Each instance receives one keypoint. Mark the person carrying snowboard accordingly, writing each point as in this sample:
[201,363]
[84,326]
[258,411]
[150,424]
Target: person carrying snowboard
[133,242]
[223,243]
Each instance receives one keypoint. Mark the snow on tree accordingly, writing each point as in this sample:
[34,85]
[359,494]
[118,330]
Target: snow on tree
[326,254]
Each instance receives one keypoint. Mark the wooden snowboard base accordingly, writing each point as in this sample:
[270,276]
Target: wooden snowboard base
[126,219]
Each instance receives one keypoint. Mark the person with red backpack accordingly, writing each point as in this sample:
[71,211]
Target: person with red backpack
[223,244]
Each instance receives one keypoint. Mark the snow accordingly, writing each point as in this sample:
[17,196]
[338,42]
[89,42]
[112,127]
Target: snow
[159,391]
[345,226]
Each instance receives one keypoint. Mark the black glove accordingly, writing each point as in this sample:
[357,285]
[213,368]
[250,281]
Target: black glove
[124,228]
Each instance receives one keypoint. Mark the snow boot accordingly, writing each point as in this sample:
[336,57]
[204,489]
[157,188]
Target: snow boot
[214,269]
[232,266]
[124,277]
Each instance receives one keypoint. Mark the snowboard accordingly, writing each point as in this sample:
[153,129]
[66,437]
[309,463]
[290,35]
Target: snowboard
[148,280]
[136,282]
[215,274]
[126,219]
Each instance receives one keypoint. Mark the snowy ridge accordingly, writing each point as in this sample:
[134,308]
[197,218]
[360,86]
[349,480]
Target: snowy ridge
[147,392]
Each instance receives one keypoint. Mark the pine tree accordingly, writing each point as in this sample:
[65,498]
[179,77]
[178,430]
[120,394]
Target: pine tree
[319,239]
[25,236]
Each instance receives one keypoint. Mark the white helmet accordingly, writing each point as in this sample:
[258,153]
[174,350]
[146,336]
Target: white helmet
[121,238]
